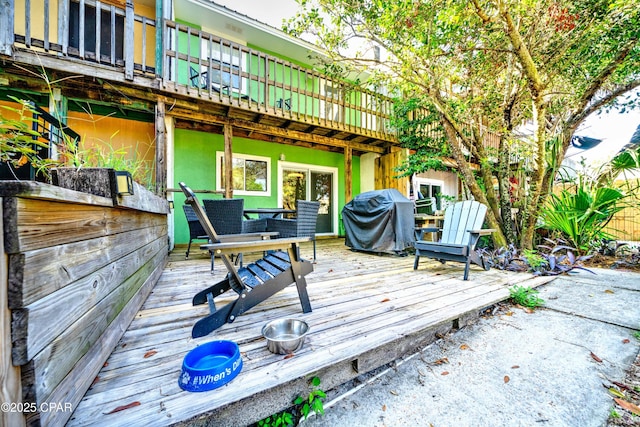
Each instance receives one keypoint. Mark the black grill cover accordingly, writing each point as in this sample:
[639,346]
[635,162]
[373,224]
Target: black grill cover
[379,221]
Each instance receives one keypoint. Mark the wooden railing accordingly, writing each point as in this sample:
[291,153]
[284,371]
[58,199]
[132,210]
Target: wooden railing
[74,278]
[84,29]
[220,69]
[197,63]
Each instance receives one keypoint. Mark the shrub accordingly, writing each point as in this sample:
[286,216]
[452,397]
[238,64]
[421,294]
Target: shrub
[525,296]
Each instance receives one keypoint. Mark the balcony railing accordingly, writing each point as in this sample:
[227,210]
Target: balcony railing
[195,63]
[220,69]
[85,29]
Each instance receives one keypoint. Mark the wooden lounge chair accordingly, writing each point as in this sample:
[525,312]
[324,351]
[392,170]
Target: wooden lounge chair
[253,283]
[461,231]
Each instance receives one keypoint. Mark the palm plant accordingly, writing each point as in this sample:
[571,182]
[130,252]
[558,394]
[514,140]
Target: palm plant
[582,215]
[582,211]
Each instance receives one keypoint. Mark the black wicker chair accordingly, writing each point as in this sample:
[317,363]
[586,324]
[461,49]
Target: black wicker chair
[225,215]
[304,225]
[196,232]
[254,225]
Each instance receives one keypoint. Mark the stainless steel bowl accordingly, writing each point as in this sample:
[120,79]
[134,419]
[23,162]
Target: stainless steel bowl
[285,336]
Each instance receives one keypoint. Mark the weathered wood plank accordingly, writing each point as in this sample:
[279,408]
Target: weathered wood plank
[332,319]
[34,329]
[36,274]
[7,29]
[143,201]
[9,374]
[43,223]
[313,359]
[51,365]
[363,317]
[39,190]
[73,386]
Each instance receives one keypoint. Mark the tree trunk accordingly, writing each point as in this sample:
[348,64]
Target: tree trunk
[469,179]
[504,186]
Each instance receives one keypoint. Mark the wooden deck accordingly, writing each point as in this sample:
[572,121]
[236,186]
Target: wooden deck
[367,311]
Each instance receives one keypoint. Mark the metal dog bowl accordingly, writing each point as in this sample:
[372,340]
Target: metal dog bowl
[285,336]
[210,365]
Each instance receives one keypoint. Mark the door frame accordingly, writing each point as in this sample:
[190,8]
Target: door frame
[315,168]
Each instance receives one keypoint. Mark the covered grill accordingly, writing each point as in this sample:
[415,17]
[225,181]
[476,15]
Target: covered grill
[379,221]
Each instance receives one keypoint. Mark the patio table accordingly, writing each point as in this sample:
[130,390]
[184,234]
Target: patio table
[430,221]
[274,212]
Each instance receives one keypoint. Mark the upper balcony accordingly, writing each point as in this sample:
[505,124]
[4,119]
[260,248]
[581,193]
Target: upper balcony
[129,46]
[122,41]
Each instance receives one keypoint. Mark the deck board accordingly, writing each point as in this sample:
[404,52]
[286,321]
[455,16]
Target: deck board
[366,309]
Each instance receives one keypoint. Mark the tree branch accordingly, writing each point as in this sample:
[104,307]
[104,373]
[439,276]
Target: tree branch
[530,69]
[621,90]
[598,81]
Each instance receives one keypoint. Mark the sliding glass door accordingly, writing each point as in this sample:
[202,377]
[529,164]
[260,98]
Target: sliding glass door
[308,182]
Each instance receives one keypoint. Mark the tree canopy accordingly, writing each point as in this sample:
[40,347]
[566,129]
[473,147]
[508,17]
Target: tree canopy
[521,73]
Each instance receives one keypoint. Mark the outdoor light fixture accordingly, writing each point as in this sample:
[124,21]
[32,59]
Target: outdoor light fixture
[124,183]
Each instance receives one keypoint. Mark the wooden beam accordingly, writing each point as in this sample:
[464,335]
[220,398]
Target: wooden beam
[84,68]
[249,134]
[276,131]
[348,175]
[228,161]
[161,150]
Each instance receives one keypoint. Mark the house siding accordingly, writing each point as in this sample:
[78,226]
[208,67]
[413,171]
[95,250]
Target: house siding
[195,164]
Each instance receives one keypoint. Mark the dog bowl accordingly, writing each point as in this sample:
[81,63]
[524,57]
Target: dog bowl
[210,365]
[285,336]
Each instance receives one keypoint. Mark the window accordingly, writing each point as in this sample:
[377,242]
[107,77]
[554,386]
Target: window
[330,105]
[251,174]
[427,188]
[227,79]
[226,65]
[107,30]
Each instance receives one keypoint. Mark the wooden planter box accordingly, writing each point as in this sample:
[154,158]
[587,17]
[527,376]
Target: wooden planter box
[97,181]
[75,270]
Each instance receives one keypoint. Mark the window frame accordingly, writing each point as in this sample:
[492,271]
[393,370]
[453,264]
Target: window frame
[219,178]
[89,36]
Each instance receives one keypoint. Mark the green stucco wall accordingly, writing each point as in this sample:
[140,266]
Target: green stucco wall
[195,164]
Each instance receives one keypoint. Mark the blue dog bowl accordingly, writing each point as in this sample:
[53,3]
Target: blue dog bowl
[210,366]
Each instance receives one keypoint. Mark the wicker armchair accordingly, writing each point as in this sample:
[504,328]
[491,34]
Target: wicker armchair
[304,225]
[196,232]
[225,215]
[254,225]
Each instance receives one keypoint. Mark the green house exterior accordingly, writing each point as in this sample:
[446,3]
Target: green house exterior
[197,79]
[195,164]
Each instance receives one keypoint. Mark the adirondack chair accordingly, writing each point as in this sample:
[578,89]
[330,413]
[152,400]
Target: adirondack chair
[253,283]
[461,231]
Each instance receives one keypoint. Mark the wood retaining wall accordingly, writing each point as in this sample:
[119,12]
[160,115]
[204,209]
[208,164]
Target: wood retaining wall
[75,270]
